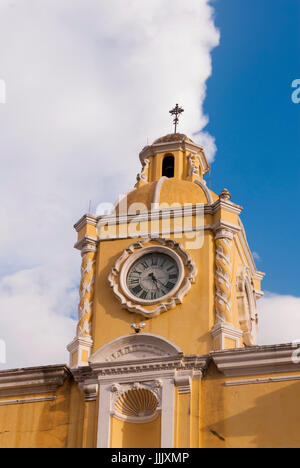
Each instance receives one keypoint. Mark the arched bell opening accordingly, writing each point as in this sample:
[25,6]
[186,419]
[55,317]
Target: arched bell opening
[168,169]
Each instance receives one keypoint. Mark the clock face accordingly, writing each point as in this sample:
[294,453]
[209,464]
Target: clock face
[153,276]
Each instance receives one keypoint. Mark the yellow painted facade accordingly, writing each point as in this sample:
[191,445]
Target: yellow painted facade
[193,377]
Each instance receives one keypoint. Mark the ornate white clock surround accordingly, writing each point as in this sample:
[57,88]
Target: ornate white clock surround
[118,274]
[141,253]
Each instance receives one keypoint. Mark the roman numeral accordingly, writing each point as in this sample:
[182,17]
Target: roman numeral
[173,277]
[144,295]
[171,268]
[137,272]
[137,290]
[170,286]
[153,296]
[134,281]
[145,265]
[154,261]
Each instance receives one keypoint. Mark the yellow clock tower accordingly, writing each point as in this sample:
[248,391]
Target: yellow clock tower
[174,255]
[165,353]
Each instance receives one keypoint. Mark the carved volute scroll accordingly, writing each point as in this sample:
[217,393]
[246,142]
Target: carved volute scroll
[246,299]
[142,177]
[194,165]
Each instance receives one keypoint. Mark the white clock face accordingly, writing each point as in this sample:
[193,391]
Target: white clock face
[153,276]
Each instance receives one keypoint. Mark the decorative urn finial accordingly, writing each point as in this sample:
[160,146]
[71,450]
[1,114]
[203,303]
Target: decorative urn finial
[225,195]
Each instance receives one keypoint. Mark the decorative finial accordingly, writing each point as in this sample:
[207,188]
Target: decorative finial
[176,111]
[138,328]
[225,195]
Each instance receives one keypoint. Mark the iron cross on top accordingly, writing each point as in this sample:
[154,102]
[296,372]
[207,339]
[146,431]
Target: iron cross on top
[176,111]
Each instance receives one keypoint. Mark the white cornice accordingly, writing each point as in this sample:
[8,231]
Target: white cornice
[87,244]
[256,360]
[142,370]
[260,276]
[227,226]
[85,220]
[182,145]
[171,213]
[32,380]
[226,205]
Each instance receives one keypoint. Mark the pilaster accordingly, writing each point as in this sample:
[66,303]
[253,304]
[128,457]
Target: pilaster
[81,346]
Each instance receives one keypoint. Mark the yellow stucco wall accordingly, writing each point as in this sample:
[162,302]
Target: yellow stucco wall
[129,435]
[262,415]
[47,424]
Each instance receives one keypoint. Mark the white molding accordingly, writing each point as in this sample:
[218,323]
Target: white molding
[154,234]
[166,408]
[78,345]
[183,381]
[259,294]
[246,302]
[85,220]
[205,189]
[259,275]
[158,234]
[132,346]
[226,205]
[172,212]
[29,381]
[143,176]
[256,360]
[87,244]
[167,414]
[104,423]
[24,401]
[157,192]
[90,390]
[145,369]
[224,330]
[286,378]
[167,303]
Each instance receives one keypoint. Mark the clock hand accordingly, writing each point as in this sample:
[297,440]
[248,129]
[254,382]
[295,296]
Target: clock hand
[151,275]
[161,283]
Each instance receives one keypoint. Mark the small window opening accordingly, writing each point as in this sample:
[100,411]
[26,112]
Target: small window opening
[169,167]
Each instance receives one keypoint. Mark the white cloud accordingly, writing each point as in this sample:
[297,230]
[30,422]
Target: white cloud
[256,256]
[35,322]
[87,82]
[279,317]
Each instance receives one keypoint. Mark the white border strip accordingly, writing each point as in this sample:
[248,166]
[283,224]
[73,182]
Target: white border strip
[237,383]
[27,400]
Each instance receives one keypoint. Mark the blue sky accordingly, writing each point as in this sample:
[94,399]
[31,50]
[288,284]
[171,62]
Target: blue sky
[257,128]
